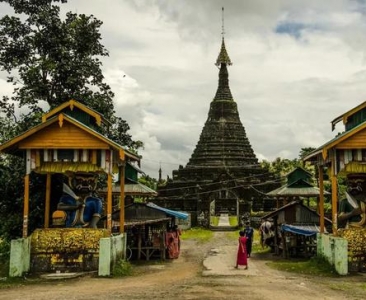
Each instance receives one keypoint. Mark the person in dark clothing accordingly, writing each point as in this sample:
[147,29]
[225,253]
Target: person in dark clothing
[249,233]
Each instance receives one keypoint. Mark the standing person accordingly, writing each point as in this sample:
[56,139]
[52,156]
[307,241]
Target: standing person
[266,232]
[249,232]
[241,259]
[178,233]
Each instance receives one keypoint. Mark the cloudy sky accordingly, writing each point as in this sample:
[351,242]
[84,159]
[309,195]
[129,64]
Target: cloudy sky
[297,65]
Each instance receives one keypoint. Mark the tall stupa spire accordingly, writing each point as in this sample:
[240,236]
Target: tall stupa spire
[223,60]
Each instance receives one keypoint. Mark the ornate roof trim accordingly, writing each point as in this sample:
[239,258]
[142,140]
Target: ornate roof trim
[223,57]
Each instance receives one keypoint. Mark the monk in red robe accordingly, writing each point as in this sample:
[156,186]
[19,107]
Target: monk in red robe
[241,259]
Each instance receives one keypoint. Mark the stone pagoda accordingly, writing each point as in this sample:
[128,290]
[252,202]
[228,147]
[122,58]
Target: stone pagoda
[223,175]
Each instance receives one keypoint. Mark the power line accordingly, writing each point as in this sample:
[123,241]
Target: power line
[228,181]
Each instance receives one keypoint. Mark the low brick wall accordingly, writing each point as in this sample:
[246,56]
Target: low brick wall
[66,249]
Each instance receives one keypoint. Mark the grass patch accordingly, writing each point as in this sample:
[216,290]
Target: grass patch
[342,286]
[122,268]
[233,221]
[315,266]
[214,221]
[200,234]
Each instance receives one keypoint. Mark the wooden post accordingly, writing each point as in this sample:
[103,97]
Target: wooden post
[122,199]
[26,206]
[321,198]
[334,198]
[48,201]
[139,243]
[109,203]
[275,224]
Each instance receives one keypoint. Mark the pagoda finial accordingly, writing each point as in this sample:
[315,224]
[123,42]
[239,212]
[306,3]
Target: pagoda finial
[223,57]
[160,173]
[223,26]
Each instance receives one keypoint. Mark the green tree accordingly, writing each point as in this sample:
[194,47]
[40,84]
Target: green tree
[305,151]
[148,181]
[54,60]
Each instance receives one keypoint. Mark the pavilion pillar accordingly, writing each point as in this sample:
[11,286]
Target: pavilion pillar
[122,199]
[334,197]
[321,198]
[48,201]
[109,202]
[26,206]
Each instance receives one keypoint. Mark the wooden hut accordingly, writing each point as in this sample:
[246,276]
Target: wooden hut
[149,228]
[296,226]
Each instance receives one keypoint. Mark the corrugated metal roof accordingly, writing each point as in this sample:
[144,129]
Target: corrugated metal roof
[174,213]
[307,230]
[293,203]
[286,191]
[139,189]
[134,189]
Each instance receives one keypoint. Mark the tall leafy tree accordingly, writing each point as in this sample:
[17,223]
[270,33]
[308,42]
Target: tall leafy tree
[305,151]
[54,59]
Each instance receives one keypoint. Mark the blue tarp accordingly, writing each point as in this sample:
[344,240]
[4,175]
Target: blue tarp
[307,230]
[174,213]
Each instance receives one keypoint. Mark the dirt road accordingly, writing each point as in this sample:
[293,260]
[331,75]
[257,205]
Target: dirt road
[203,271]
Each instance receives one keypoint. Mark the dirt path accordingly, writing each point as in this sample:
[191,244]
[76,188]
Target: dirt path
[203,271]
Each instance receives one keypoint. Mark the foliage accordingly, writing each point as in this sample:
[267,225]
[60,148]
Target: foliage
[11,189]
[54,59]
[280,166]
[148,181]
[4,258]
[315,266]
[122,268]
[305,151]
[233,221]
[214,220]
[200,234]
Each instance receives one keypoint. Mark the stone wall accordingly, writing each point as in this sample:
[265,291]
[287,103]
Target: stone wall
[335,250]
[19,257]
[112,249]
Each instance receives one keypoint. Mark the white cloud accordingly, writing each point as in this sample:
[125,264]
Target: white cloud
[289,82]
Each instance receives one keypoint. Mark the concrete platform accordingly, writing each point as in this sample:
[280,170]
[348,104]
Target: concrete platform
[65,275]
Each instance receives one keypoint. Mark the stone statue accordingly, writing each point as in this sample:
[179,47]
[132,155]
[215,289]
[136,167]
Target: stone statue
[352,209]
[81,208]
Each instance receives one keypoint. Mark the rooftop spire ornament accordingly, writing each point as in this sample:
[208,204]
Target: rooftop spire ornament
[222,23]
[223,57]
